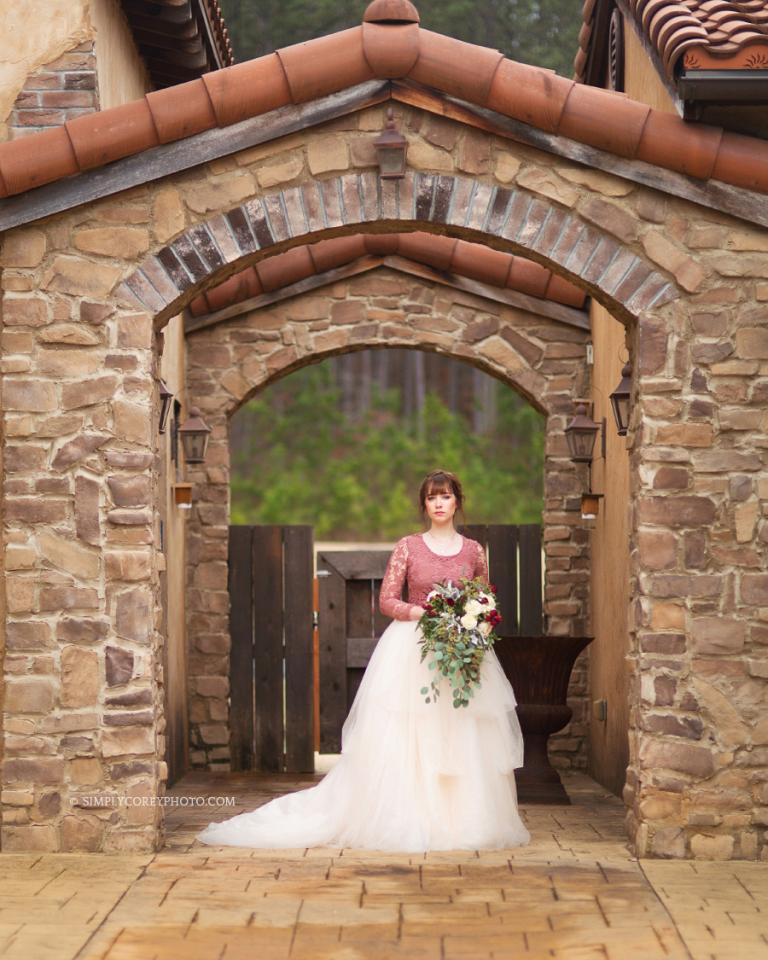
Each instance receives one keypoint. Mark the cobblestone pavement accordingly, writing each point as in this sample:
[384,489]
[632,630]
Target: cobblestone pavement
[574,892]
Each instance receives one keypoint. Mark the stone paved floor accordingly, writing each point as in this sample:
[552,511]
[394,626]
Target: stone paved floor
[573,893]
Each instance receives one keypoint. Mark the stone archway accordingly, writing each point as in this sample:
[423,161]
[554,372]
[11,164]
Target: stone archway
[543,360]
[79,443]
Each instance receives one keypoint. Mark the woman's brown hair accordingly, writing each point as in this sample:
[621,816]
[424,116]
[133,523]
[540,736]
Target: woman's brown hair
[440,481]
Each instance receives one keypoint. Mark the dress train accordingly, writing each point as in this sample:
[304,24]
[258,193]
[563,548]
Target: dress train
[412,776]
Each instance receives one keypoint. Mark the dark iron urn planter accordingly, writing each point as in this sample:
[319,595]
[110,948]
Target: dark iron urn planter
[539,669]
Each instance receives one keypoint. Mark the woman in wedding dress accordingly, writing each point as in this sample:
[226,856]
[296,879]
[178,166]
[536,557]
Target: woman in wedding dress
[412,776]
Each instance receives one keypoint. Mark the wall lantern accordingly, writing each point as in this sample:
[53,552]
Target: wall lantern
[166,398]
[620,400]
[580,434]
[194,434]
[391,148]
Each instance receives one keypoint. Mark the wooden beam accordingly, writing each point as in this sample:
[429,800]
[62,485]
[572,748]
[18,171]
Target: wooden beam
[558,312]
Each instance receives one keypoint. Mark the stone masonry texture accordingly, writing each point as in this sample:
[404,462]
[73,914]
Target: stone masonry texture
[80,412]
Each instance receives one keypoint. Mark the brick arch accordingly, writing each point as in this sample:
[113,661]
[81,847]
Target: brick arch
[513,220]
[540,358]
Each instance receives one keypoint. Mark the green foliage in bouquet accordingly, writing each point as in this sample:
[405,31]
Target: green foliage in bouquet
[457,628]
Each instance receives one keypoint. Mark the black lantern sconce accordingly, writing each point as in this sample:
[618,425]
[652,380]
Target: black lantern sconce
[166,399]
[620,400]
[194,434]
[391,149]
[581,434]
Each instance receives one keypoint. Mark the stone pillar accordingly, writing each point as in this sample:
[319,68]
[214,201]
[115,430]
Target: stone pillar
[83,723]
[698,775]
[210,367]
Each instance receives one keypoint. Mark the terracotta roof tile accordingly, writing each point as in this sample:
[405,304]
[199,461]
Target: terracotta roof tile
[472,260]
[322,66]
[607,120]
[391,11]
[181,111]
[696,34]
[247,89]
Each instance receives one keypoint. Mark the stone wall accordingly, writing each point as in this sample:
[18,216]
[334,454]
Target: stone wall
[542,359]
[79,447]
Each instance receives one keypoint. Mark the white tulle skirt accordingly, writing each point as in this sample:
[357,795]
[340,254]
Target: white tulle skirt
[412,776]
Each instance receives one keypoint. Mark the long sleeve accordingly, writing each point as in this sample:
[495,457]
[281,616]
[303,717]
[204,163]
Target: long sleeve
[481,563]
[390,603]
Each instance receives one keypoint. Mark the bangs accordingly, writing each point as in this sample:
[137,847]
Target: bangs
[438,486]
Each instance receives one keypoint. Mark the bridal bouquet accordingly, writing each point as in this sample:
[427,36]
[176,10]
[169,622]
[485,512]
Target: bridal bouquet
[457,627]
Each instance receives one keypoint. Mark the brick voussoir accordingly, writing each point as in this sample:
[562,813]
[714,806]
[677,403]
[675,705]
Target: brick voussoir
[369,193]
[599,260]
[239,221]
[551,231]
[155,273]
[423,194]
[204,244]
[617,270]
[225,241]
[144,292]
[185,251]
[256,220]
[296,216]
[480,208]
[277,216]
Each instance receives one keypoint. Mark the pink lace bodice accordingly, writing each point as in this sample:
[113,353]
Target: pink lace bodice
[413,561]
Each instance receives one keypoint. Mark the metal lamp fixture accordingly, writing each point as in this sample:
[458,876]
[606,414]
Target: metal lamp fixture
[391,149]
[620,400]
[194,434]
[166,397]
[580,435]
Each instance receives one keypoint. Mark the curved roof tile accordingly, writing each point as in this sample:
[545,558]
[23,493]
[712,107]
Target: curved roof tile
[603,119]
[700,34]
[471,260]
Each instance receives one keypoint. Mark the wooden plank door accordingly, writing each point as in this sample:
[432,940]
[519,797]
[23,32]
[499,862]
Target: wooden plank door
[271,679]
[350,624]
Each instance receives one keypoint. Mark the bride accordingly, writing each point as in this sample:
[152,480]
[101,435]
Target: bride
[412,776]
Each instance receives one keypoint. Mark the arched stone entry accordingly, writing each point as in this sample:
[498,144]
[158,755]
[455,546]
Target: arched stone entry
[543,360]
[655,248]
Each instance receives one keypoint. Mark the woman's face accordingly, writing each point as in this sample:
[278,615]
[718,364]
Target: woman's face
[441,506]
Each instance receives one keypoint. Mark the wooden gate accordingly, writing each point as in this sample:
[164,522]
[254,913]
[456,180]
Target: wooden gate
[350,622]
[271,623]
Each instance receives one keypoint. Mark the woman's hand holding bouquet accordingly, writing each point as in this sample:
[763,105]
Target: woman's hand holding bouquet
[457,627]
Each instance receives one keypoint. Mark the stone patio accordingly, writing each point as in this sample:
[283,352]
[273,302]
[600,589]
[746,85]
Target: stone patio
[575,892]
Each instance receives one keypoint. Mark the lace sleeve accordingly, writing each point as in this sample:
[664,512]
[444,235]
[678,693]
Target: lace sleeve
[390,603]
[481,563]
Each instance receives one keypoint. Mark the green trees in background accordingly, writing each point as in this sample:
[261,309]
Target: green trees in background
[298,459]
[541,32]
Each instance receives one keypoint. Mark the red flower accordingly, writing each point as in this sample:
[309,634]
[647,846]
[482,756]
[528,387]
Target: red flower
[450,601]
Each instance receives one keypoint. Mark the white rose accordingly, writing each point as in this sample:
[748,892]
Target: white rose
[473,608]
[488,599]
[468,621]
[485,628]
[433,593]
